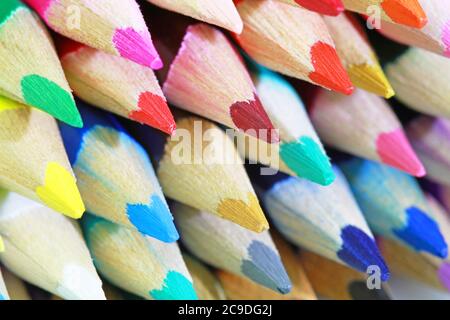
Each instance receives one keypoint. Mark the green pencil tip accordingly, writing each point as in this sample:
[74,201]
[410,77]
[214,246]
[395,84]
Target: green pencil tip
[175,287]
[307,160]
[46,95]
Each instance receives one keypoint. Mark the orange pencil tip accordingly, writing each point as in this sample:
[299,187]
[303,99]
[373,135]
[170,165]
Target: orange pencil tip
[407,12]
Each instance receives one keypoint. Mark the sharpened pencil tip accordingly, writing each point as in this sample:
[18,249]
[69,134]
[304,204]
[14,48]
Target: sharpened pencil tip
[327,7]
[328,70]
[78,283]
[264,266]
[444,275]
[60,191]
[153,219]
[247,214]
[175,287]
[422,233]
[138,47]
[2,245]
[395,150]
[307,160]
[371,78]
[408,13]
[360,252]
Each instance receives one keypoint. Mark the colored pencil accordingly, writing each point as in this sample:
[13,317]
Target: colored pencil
[332,280]
[3,292]
[116,177]
[207,175]
[33,161]
[205,75]
[357,56]
[434,36]
[394,206]
[430,138]
[114,26]
[364,125]
[423,267]
[292,41]
[327,7]
[420,78]
[227,246]
[239,288]
[115,84]
[409,13]
[17,288]
[300,152]
[221,13]
[28,58]
[141,265]
[206,284]
[47,249]
[325,220]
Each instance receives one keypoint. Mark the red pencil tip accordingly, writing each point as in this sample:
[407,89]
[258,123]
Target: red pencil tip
[328,7]
[154,111]
[395,150]
[138,47]
[250,117]
[329,71]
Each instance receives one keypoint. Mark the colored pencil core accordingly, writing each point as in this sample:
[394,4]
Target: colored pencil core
[328,7]
[175,287]
[406,12]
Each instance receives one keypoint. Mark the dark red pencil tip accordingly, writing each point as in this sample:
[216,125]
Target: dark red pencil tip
[250,117]
[327,7]
[329,72]
[154,111]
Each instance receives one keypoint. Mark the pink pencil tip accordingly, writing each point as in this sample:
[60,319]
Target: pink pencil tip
[395,150]
[444,275]
[138,47]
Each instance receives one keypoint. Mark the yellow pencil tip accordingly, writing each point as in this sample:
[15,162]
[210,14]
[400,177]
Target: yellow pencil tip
[2,245]
[60,191]
[248,215]
[371,78]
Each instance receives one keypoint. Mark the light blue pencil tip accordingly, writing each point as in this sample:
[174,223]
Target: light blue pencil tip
[153,219]
[175,287]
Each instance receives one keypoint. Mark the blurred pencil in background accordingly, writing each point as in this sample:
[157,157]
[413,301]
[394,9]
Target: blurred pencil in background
[17,288]
[3,292]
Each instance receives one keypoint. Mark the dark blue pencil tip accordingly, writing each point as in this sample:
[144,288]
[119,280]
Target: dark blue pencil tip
[360,252]
[422,233]
[153,219]
[265,267]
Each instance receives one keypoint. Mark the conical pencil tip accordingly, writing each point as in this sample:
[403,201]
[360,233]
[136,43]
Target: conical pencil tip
[422,233]
[60,191]
[408,13]
[153,219]
[78,283]
[371,78]
[247,214]
[327,7]
[2,245]
[176,287]
[360,252]
[307,160]
[137,46]
[444,275]
[328,70]
[264,266]
[395,150]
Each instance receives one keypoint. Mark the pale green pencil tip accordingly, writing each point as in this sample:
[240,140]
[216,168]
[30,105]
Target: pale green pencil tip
[307,160]
[175,287]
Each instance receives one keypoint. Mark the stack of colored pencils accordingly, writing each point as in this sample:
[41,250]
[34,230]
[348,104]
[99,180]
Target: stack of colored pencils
[294,152]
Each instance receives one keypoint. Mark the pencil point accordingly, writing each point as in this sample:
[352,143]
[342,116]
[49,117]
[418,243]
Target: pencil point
[329,71]
[444,275]
[46,95]
[248,215]
[422,233]
[77,283]
[2,245]
[60,191]
[395,150]
[264,266]
[250,115]
[360,251]
[175,287]
[308,160]
[328,7]
[154,112]
[153,219]
[138,47]
[409,13]
[371,78]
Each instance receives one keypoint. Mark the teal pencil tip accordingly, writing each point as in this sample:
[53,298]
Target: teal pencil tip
[175,287]
[307,160]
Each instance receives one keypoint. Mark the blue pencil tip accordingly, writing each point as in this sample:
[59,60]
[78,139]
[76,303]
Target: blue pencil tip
[153,219]
[265,267]
[360,252]
[422,233]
